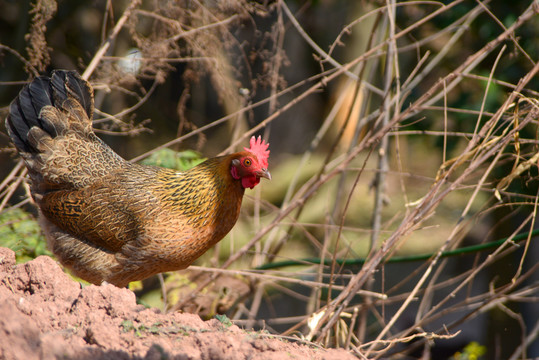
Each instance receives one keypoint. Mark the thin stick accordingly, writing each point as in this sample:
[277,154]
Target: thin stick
[105,47]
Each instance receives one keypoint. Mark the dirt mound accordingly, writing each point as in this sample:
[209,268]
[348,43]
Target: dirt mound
[44,314]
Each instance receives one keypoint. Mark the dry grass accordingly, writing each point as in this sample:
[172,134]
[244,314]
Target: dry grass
[395,162]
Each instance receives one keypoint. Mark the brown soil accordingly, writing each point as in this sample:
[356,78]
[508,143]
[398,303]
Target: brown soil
[44,314]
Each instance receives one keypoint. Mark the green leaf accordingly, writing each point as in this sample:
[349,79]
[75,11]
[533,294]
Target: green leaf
[224,320]
[21,233]
[182,160]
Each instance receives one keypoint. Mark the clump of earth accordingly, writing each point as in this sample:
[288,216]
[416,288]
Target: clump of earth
[44,314]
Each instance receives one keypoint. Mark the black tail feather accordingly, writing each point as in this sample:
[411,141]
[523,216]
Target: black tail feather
[24,111]
[69,84]
[39,97]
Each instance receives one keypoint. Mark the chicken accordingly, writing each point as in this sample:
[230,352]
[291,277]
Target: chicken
[110,220]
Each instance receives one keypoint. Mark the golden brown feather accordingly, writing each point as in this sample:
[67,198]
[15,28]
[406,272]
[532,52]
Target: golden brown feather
[111,220]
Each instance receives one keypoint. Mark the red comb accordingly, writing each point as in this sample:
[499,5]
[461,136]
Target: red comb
[260,148]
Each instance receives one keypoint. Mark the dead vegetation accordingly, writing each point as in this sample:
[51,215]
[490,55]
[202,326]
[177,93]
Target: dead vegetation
[406,133]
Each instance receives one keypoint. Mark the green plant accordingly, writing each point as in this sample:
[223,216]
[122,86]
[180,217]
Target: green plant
[472,351]
[20,232]
[177,160]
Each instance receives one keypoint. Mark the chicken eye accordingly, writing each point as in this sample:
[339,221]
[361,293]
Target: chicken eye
[247,162]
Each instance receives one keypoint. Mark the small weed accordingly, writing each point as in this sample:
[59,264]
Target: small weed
[224,320]
[127,326]
[158,328]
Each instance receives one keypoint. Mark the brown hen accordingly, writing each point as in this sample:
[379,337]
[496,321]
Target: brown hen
[108,219]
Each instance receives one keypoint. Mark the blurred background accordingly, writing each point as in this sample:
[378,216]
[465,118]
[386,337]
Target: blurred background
[396,129]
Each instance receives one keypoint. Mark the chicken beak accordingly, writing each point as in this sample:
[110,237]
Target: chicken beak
[264,173]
